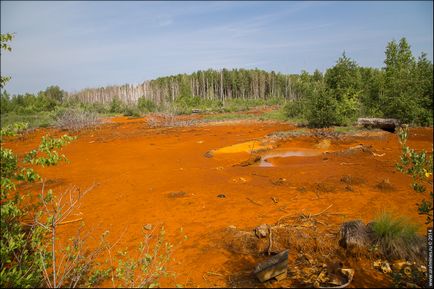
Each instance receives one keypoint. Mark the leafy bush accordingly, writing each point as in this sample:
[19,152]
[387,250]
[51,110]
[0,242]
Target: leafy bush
[294,108]
[322,109]
[116,106]
[145,270]
[418,165]
[14,129]
[146,105]
[132,111]
[20,261]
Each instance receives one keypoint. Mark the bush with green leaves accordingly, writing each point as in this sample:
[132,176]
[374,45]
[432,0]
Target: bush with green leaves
[131,111]
[418,165]
[116,105]
[322,108]
[14,129]
[146,105]
[20,264]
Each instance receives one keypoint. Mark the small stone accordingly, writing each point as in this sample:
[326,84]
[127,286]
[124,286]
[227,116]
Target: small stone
[377,264]
[422,269]
[385,267]
[232,227]
[148,227]
[221,196]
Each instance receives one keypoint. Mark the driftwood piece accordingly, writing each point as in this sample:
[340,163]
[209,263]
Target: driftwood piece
[272,267]
[387,124]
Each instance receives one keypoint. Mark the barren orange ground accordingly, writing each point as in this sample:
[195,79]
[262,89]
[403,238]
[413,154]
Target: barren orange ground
[137,167]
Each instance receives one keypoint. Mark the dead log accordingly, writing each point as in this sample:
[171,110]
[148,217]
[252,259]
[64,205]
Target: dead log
[272,267]
[387,124]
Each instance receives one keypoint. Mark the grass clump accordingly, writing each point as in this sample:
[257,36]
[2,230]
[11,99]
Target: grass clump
[397,237]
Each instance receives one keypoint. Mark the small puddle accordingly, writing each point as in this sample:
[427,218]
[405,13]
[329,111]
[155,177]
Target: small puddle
[287,153]
[245,147]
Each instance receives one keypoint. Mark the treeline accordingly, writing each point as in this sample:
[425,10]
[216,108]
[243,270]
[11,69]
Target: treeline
[209,84]
[402,89]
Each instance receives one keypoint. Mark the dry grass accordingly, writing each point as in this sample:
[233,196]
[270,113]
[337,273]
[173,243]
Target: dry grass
[76,120]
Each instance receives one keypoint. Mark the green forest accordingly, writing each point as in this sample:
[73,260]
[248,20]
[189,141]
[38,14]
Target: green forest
[401,89]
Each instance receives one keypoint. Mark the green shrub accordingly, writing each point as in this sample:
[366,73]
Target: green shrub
[116,105]
[387,227]
[295,108]
[21,264]
[131,111]
[418,165]
[146,105]
[322,109]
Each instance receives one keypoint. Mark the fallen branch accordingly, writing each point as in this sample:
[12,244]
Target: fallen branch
[270,243]
[322,211]
[72,221]
[254,202]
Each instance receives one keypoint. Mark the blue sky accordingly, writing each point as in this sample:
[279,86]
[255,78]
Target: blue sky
[90,44]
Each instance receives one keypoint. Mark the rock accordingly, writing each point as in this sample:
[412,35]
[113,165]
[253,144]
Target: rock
[385,267]
[175,195]
[221,196]
[208,154]
[387,124]
[422,268]
[148,227]
[261,231]
[278,181]
[232,227]
[377,264]
[272,267]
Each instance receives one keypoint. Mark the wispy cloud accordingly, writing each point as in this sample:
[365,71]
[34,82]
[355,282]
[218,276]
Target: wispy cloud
[83,44]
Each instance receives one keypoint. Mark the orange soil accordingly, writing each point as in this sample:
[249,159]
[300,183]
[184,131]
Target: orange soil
[136,167]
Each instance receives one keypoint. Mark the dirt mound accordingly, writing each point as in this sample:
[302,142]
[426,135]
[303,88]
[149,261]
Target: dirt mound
[385,186]
[355,150]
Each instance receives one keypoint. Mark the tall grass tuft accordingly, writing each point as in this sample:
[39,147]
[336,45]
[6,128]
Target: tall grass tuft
[397,237]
